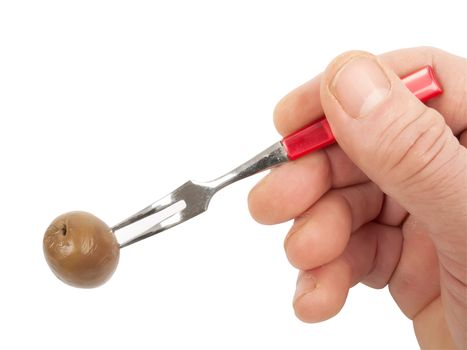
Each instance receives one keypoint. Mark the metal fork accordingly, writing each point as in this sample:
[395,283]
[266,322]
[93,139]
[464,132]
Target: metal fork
[194,197]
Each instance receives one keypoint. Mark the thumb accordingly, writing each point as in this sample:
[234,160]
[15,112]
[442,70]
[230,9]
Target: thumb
[402,145]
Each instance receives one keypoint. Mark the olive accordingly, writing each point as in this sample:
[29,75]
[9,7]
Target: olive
[81,249]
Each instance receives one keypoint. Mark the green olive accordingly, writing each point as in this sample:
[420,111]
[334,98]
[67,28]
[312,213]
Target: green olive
[81,249]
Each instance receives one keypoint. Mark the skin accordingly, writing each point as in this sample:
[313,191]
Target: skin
[81,249]
[387,205]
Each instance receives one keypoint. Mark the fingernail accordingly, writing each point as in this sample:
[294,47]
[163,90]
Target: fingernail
[360,85]
[306,283]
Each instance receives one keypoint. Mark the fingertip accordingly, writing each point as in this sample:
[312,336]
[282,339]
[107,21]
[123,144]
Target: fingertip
[305,310]
[259,201]
[336,64]
[316,307]
[280,114]
[298,108]
[328,294]
[288,190]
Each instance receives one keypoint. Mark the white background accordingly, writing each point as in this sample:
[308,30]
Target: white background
[105,106]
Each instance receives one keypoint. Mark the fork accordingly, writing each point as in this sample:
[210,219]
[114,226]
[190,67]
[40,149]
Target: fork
[192,198]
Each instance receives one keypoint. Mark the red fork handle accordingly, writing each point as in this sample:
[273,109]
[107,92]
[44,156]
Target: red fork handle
[317,135]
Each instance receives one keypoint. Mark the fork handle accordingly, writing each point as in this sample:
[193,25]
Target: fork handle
[316,135]
[422,84]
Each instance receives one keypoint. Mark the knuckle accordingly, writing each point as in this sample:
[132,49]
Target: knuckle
[411,144]
[429,51]
[298,256]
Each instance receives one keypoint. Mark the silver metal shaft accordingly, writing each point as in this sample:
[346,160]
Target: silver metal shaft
[197,195]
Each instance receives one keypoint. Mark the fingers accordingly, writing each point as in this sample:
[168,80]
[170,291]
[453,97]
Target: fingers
[299,107]
[415,282]
[321,292]
[373,254]
[408,150]
[388,249]
[392,212]
[321,233]
[290,189]
[302,105]
[403,146]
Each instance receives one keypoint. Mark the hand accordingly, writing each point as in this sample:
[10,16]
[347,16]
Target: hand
[388,204]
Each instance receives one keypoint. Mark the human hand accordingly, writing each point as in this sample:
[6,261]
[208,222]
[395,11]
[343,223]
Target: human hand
[388,204]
